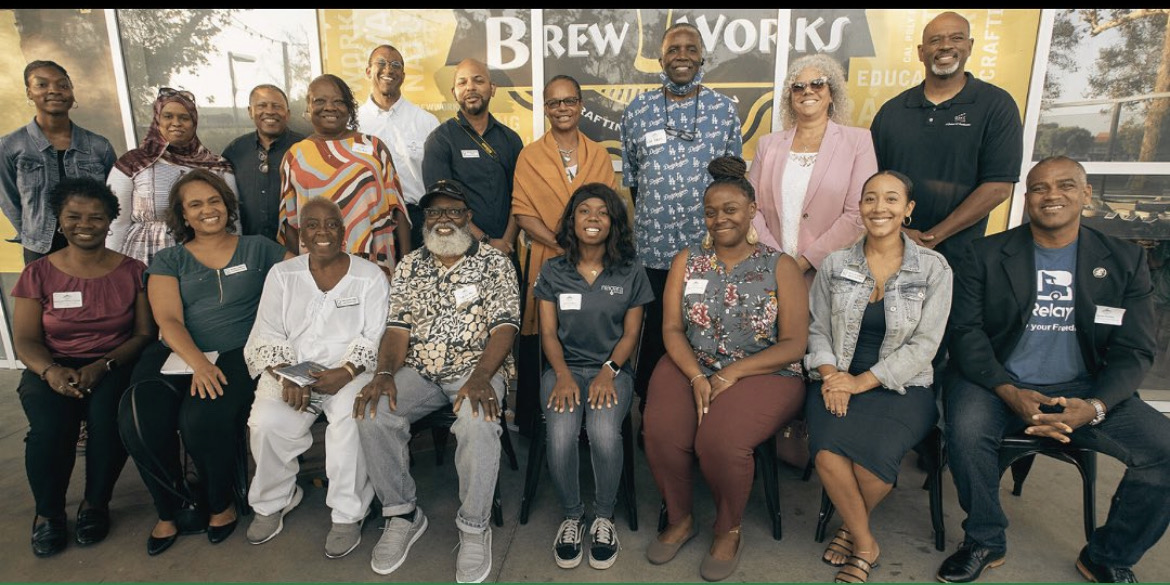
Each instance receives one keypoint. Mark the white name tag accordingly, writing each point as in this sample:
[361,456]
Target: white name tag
[470,153]
[656,137]
[570,302]
[696,286]
[346,302]
[67,300]
[853,275]
[238,268]
[465,295]
[363,148]
[1108,315]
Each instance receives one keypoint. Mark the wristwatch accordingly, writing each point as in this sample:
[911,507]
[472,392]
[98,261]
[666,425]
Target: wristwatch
[1100,408]
[613,367]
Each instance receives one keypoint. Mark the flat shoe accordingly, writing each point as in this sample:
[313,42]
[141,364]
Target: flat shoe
[156,546]
[218,534]
[659,552]
[840,545]
[48,537]
[93,524]
[713,569]
[847,575]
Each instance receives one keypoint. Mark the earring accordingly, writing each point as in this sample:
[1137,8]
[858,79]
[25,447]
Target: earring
[753,237]
[29,102]
[708,241]
[75,106]
[59,230]
[906,221]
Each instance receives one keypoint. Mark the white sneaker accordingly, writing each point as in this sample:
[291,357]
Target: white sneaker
[474,562]
[603,551]
[265,527]
[398,535]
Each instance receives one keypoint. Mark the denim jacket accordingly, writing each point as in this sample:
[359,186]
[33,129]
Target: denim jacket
[917,300]
[28,171]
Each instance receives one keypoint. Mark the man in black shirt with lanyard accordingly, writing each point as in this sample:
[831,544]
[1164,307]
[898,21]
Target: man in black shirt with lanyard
[480,153]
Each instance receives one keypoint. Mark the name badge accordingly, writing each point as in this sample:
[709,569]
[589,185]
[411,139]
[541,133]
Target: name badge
[851,274]
[1108,315]
[470,153]
[656,137]
[465,295]
[67,300]
[238,268]
[346,302]
[363,148]
[696,286]
[570,302]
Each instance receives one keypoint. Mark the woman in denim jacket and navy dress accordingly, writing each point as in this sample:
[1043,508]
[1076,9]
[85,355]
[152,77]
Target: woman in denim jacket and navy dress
[735,326]
[879,309]
[47,150]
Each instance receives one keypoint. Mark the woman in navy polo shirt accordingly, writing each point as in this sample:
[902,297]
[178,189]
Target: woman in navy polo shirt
[590,317]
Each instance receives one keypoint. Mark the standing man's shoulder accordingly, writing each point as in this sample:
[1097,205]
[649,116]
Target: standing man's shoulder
[239,145]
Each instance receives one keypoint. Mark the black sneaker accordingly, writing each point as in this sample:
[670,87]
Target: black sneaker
[567,545]
[603,552]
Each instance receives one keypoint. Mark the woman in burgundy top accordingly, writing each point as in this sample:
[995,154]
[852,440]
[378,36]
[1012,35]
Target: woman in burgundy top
[80,320]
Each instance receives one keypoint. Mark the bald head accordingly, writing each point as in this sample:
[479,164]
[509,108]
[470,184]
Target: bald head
[946,46]
[472,88]
[948,21]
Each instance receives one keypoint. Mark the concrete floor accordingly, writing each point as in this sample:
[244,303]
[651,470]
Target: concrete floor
[1044,538]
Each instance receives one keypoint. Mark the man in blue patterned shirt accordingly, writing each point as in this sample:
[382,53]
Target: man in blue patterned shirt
[668,136]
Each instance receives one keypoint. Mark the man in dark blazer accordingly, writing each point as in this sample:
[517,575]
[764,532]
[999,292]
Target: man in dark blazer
[1052,332]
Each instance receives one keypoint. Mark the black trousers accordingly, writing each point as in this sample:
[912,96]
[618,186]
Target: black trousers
[652,348]
[50,448]
[415,213]
[211,430]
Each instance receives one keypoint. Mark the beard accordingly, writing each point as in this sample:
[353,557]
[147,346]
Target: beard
[455,244]
[945,72]
[476,109]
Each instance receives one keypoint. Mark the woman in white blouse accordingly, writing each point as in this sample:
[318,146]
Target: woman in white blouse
[808,177]
[326,307]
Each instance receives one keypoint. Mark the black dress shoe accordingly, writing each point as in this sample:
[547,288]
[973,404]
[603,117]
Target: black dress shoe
[1099,573]
[48,537]
[93,524]
[156,546]
[218,534]
[968,563]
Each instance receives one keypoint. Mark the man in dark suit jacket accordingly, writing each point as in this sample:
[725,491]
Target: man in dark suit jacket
[1052,332]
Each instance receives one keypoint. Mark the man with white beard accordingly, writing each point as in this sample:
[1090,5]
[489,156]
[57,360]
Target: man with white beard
[454,313]
[958,138]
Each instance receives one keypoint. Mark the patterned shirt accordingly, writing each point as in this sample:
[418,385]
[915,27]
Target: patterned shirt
[357,173]
[732,314]
[450,312]
[670,173]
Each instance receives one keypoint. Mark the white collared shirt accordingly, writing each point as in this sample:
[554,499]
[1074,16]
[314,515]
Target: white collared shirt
[404,129]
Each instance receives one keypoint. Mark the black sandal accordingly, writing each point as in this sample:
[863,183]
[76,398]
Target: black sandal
[845,575]
[841,544]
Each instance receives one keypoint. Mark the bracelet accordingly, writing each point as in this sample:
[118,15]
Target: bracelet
[384,373]
[722,378]
[697,376]
[47,368]
[352,370]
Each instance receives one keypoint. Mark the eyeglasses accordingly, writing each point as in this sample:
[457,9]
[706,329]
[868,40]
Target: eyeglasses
[687,135]
[263,160]
[554,103]
[450,212]
[817,84]
[164,92]
[392,64]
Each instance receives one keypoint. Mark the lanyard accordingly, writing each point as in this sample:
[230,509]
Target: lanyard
[479,141]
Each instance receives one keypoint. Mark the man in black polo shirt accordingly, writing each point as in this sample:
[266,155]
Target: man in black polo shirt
[256,157]
[960,140]
[479,152]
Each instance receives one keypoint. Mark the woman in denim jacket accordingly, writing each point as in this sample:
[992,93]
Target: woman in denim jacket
[879,309]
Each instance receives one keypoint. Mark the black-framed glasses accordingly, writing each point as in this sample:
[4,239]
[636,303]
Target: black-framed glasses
[556,103]
[164,92]
[817,84]
[263,154]
[450,212]
[687,135]
[397,65]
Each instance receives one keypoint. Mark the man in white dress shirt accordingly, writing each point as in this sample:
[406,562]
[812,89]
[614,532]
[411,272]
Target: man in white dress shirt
[401,125]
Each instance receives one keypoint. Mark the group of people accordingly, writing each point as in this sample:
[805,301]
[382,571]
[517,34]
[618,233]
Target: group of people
[830,279]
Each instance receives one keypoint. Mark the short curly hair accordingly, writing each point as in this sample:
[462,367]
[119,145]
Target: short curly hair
[178,228]
[346,94]
[841,107]
[83,188]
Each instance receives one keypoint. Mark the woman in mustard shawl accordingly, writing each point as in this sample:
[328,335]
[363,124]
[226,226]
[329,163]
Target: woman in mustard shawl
[547,173]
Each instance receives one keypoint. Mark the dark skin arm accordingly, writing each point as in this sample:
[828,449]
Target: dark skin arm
[292,239]
[391,357]
[478,388]
[978,205]
[401,232]
[538,232]
[674,334]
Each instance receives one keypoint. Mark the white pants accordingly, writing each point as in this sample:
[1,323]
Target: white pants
[278,434]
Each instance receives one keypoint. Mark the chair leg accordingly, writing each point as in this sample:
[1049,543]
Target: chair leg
[497,507]
[1020,469]
[937,520]
[766,460]
[627,480]
[535,467]
[662,520]
[506,442]
[823,516]
[1087,463]
[439,435]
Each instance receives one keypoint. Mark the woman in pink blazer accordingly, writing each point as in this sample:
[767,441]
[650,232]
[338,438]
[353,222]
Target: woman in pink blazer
[808,177]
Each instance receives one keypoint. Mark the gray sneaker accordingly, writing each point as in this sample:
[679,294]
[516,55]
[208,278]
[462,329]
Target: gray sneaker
[266,526]
[475,556]
[398,535]
[342,539]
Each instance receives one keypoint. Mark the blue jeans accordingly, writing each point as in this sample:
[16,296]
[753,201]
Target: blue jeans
[604,426]
[1132,432]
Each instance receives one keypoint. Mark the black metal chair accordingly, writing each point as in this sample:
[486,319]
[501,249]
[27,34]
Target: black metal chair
[1019,452]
